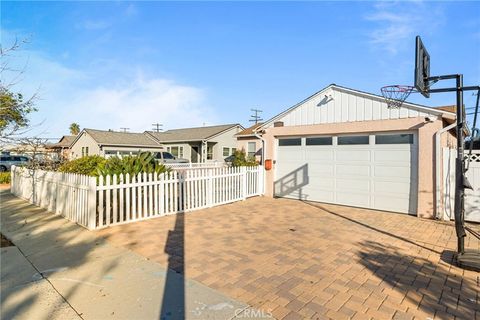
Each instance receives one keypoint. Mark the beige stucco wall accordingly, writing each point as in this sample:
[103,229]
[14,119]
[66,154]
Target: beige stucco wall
[242,144]
[426,155]
[84,141]
[227,139]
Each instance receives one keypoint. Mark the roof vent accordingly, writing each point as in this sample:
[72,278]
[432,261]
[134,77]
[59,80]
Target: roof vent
[278,124]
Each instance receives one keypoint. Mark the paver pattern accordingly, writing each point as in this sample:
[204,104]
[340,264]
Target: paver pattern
[311,260]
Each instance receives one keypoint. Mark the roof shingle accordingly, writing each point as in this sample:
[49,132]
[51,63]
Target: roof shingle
[190,134]
[121,138]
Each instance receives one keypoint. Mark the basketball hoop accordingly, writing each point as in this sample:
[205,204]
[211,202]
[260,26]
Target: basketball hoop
[395,95]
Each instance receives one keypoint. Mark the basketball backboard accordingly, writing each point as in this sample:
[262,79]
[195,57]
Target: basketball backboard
[422,68]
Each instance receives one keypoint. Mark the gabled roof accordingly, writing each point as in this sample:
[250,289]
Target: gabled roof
[64,142]
[191,134]
[408,105]
[114,138]
[250,130]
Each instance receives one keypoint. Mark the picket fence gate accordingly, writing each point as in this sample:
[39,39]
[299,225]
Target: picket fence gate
[111,200]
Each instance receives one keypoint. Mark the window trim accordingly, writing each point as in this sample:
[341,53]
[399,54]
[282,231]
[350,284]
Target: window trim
[290,138]
[319,137]
[353,136]
[229,151]
[411,137]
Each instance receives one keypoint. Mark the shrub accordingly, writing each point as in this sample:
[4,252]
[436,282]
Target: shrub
[240,159]
[86,165]
[4,177]
[143,162]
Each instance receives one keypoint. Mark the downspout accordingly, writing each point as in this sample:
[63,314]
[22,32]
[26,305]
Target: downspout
[438,135]
[263,146]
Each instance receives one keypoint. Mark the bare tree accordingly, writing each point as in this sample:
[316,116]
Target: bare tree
[14,107]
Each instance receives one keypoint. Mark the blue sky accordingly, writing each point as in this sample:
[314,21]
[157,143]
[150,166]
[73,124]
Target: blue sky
[108,65]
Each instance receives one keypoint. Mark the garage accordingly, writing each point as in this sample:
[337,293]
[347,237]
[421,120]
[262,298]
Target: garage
[375,171]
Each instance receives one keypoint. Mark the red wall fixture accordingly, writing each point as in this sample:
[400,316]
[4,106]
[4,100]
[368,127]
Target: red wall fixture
[268,164]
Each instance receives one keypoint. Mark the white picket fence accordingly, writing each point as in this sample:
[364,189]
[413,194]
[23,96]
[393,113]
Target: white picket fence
[190,165]
[114,200]
[71,195]
[472,197]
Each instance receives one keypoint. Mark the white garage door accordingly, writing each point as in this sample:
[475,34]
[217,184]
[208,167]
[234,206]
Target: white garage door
[370,171]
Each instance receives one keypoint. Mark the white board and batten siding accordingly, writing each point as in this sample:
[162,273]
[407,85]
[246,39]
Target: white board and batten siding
[337,105]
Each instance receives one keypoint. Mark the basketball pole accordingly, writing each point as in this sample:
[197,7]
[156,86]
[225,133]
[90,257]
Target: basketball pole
[459,206]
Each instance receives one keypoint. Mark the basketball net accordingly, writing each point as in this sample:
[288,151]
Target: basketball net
[395,95]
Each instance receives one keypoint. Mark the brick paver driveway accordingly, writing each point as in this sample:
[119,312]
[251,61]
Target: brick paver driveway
[303,260]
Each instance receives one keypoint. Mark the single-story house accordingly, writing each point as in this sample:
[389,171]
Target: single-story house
[249,141]
[62,147]
[200,144]
[112,143]
[347,147]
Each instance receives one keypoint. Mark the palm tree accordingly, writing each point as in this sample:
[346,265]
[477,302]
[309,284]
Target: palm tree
[74,129]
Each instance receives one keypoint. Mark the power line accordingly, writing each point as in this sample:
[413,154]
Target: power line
[156,127]
[255,117]
[125,129]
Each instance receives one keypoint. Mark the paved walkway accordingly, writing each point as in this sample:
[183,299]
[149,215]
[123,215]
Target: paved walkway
[315,261]
[59,270]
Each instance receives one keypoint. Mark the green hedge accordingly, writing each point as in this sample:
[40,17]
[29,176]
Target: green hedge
[85,165]
[4,177]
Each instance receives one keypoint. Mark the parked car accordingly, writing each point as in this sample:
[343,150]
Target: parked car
[6,162]
[229,159]
[167,157]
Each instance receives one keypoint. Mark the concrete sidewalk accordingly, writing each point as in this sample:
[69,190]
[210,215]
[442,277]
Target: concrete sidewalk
[89,278]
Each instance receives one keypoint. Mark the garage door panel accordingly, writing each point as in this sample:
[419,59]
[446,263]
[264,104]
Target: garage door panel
[319,195]
[388,187]
[356,185]
[392,155]
[353,155]
[392,172]
[377,176]
[353,170]
[353,199]
[321,184]
[319,154]
[321,169]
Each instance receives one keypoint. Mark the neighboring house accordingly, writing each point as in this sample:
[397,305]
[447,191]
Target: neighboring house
[249,141]
[347,147]
[62,147]
[112,143]
[200,144]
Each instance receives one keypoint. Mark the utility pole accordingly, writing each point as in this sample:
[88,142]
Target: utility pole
[255,117]
[125,129]
[156,127]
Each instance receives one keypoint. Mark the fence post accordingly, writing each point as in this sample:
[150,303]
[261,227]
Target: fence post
[260,180]
[209,188]
[92,203]
[244,182]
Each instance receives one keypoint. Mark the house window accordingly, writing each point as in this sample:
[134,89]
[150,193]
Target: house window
[233,150]
[319,141]
[226,151]
[394,139]
[86,151]
[209,153]
[353,140]
[251,149]
[83,151]
[177,151]
[290,142]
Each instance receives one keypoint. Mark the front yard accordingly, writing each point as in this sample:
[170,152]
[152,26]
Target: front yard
[311,260]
